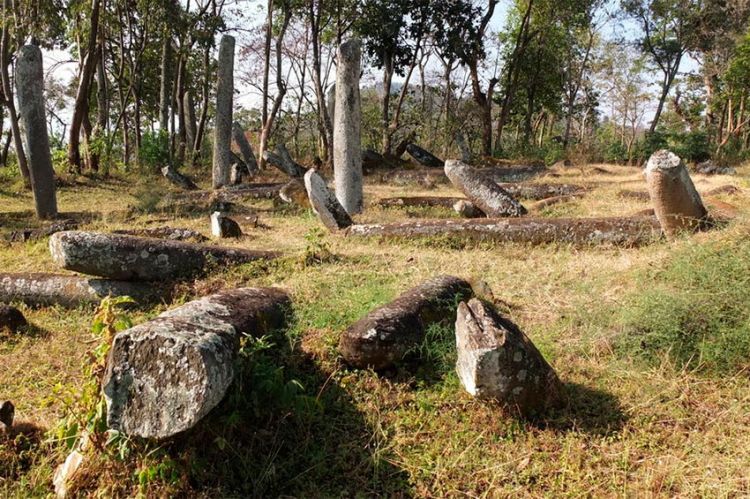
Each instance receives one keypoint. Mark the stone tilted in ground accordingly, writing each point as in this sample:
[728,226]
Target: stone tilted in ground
[165,375]
[497,361]
[282,160]
[224,227]
[484,193]
[324,203]
[71,291]
[248,157]
[7,411]
[424,157]
[178,179]
[141,259]
[172,233]
[385,335]
[617,231]
[11,318]
[676,202]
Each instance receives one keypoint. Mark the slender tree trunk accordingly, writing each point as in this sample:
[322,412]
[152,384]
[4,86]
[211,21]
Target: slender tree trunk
[666,86]
[165,89]
[386,102]
[200,130]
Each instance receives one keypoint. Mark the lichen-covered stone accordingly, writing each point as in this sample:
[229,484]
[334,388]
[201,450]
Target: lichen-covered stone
[541,191]
[677,204]
[484,193]
[222,152]
[420,201]
[385,335]
[71,291]
[325,204]
[131,258]
[172,233]
[424,157]
[178,179]
[617,231]
[165,375]
[496,360]
[467,209]
[11,319]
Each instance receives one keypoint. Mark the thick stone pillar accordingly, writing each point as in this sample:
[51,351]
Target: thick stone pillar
[677,204]
[30,90]
[347,122]
[223,122]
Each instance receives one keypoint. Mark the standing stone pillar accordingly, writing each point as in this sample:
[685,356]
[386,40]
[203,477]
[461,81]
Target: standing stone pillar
[347,147]
[238,134]
[222,168]
[677,204]
[30,89]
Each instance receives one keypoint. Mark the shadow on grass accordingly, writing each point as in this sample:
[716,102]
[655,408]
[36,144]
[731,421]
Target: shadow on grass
[30,331]
[588,410]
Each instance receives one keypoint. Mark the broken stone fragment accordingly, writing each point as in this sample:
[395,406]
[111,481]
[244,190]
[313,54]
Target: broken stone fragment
[134,258]
[325,204]
[72,291]
[484,193]
[7,411]
[384,336]
[466,209]
[224,227]
[677,204]
[496,360]
[11,318]
[165,375]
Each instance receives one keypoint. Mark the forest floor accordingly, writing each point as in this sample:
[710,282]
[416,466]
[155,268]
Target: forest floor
[641,421]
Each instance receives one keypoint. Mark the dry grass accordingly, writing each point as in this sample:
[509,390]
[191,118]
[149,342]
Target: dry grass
[631,429]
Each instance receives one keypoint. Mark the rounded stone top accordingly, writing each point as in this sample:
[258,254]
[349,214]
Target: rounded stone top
[351,49]
[663,160]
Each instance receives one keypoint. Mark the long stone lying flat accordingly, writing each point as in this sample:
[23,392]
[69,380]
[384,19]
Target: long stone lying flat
[618,231]
[70,291]
[385,335]
[133,258]
[165,375]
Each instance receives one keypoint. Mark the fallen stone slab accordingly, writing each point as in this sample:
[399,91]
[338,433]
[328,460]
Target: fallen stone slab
[544,203]
[630,194]
[485,194]
[424,157]
[384,336]
[513,173]
[11,319]
[730,190]
[541,191]
[171,233]
[324,203]
[616,231]
[230,193]
[712,168]
[165,375]
[420,201]
[497,361]
[7,411]
[676,202]
[131,258]
[425,177]
[35,234]
[71,291]
[178,179]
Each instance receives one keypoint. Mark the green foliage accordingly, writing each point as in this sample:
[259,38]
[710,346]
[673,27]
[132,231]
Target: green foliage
[317,249]
[691,146]
[696,310]
[154,151]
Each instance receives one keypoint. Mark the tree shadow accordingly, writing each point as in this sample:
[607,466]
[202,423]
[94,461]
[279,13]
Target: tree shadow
[588,410]
[30,330]
[270,437]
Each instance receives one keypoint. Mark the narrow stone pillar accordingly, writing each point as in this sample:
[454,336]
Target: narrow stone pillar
[238,134]
[347,147]
[677,204]
[223,122]
[30,89]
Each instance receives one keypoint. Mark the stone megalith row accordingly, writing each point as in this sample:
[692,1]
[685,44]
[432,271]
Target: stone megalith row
[165,375]
[222,154]
[30,93]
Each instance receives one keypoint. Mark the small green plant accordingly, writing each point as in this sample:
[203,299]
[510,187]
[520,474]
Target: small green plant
[317,249]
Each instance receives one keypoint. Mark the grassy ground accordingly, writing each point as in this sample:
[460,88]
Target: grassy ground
[641,420]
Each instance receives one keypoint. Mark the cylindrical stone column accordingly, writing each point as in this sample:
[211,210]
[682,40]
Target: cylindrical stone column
[347,147]
[30,90]
[677,204]
[222,167]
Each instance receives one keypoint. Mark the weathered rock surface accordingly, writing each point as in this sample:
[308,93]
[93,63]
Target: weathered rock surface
[496,360]
[294,192]
[282,160]
[424,157]
[11,318]
[132,258]
[222,152]
[165,375]
[71,291]
[483,192]
[224,227]
[248,157]
[710,167]
[325,204]
[617,231]
[347,123]
[178,179]
[467,209]
[676,202]
[730,190]
[541,191]
[384,336]
[172,233]
[420,201]
[7,412]
[234,193]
